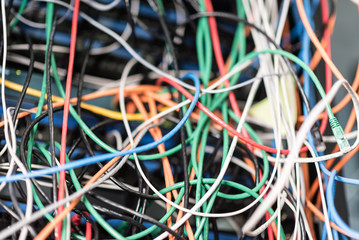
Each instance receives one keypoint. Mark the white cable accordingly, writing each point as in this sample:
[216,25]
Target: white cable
[9,131]
[282,20]
[267,67]
[301,135]
[322,194]
[101,7]
[265,225]
[117,135]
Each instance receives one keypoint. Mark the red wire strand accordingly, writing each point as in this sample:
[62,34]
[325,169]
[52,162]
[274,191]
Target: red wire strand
[61,191]
[267,215]
[88,234]
[222,123]
[220,62]
[328,72]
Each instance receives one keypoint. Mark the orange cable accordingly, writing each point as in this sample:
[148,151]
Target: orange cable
[156,134]
[320,215]
[94,95]
[313,37]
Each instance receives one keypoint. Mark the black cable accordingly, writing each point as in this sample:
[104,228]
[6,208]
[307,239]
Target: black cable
[14,235]
[141,206]
[28,74]
[167,35]
[79,94]
[111,213]
[96,126]
[131,21]
[132,212]
[144,204]
[27,131]
[7,13]
[16,217]
[301,221]
[141,186]
[77,229]
[50,106]
[79,100]
[34,181]
[213,221]
[144,26]
[240,146]
[209,162]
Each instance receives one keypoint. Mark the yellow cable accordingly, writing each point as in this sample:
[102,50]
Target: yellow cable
[92,108]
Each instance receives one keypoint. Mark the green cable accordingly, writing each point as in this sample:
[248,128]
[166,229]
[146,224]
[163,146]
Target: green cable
[49,18]
[204,221]
[73,112]
[238,35]
[36,198]
[203,42]
[21,9]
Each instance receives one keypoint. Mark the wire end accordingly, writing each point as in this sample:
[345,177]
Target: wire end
[318,139]
[339,135]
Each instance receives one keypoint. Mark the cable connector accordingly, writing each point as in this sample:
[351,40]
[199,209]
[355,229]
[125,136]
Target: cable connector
[317,137]
[339,135]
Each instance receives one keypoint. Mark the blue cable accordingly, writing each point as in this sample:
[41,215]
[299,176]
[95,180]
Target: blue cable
[343,236]
[91,160]
[338,178]
[331,207]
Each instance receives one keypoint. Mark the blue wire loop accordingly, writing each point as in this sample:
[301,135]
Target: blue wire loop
[334,216]
[103,157]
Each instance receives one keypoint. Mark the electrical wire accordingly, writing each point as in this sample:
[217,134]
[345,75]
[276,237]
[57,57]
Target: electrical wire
[143,152]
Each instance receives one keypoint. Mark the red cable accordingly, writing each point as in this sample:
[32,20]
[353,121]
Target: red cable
[220,63]
[88,234]
[328,72]
[61,191]
[222,123]
[267,215]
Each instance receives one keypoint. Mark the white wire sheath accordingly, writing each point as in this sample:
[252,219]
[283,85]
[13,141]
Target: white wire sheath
[288,166]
